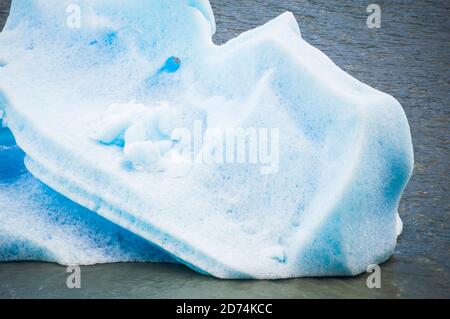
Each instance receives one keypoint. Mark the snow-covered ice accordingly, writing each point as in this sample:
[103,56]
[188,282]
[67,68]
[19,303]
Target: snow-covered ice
[96,102]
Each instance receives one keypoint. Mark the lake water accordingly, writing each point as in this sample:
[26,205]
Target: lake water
[409,58]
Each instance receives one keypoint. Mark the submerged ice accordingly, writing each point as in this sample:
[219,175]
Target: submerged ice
[98,108]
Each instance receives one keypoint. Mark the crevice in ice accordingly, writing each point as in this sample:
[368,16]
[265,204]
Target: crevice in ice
[11,158]
[171,65]
[108,39]
[6,138]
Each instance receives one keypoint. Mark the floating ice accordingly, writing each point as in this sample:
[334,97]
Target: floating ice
[83,91]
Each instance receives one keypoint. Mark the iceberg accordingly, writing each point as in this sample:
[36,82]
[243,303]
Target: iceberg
[122,106]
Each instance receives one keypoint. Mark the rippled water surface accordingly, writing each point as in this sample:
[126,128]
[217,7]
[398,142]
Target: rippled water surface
[409,58]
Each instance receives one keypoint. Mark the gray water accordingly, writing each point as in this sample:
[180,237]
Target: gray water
[409,58]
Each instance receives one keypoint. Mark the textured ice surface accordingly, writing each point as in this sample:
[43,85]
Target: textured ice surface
[93,107]
[41,225]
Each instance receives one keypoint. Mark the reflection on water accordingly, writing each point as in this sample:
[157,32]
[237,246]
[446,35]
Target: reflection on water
[409,57]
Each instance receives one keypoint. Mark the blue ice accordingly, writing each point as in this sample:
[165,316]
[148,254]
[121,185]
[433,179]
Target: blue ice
[99,110]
